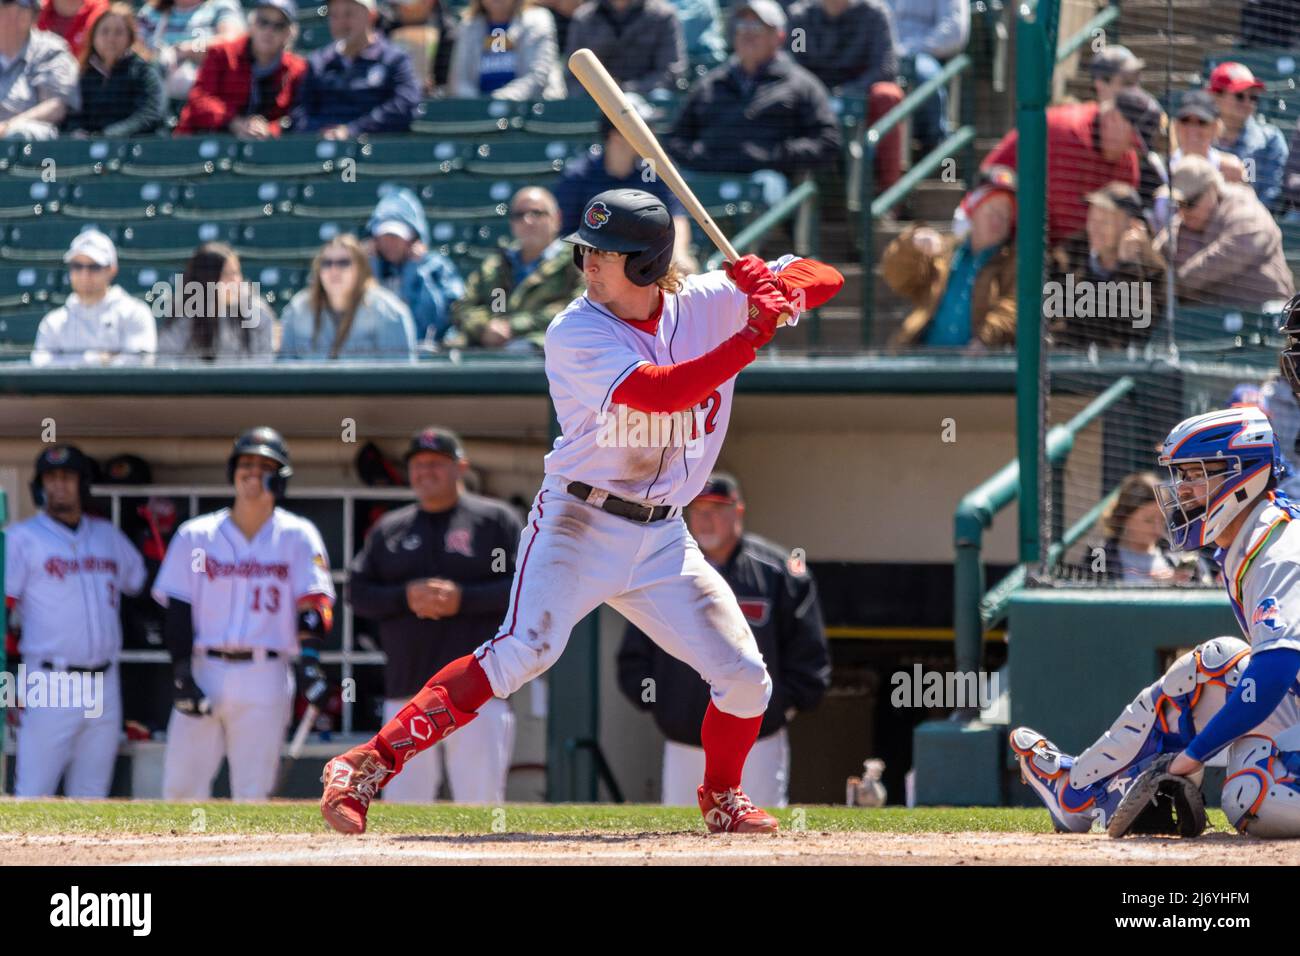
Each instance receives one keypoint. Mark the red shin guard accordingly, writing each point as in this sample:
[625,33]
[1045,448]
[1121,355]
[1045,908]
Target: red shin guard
[449,700]
[727,741]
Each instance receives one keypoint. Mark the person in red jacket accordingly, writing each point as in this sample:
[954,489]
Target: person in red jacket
[1088,145]
[70,19]
[248,85]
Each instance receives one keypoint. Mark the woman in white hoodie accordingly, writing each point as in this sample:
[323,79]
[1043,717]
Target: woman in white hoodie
[100,324]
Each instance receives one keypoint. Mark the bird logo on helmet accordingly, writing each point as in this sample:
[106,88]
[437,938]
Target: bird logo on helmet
[268,443]
[1219,464]
[62,458]
[597,215]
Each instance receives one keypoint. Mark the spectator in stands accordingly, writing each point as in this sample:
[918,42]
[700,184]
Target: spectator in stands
[640,42]
[99,324]
[779,599]
[535,271]
[619,166]
[247,86]
[1114,68]
[218,317]
[1117,248]
[179,33]
[1223,244]
[1088,145]
[506,49]
[849,45]
[121,92]
[38,76]
[404,265]
[1259,145]
[360,83]
[929,32]
[760,112]
[1196,124]
[1135,550]
[71,19]
[702,31]
[426,30]
[963,291]
[344,312]
[562,12]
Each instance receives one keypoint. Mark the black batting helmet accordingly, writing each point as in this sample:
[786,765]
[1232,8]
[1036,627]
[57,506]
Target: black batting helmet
[63,458]
[630,221]
[268,443]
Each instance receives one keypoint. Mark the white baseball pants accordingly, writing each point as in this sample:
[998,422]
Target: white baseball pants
[76,741]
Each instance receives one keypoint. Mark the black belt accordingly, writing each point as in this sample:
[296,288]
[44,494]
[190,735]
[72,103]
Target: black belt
[51,666]
[237,655]
[618,506]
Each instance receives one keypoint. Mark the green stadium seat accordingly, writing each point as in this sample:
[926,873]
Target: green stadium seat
[27,198]
[45,239]
[1267,65]
[62,160]
[519,158]
[851,110]
[18,331]
[29,286]
[406,158]
[468,199]
[114,198]
[310,10]
[472,240]
[233,200]
[313,33]
[479,117]
[724,196]
[167,240]
[184,156]
[331,199]
[287,240]
[278,284]
[290,156]
[576,117]
[141,279]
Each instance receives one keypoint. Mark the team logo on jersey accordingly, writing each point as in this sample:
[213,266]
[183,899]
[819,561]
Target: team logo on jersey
[756,610]
[597,215]
[1268,613]
[458,542]
[411,542]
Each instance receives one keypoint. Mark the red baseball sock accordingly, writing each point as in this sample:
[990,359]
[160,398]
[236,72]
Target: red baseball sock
[727,741]
[449,700]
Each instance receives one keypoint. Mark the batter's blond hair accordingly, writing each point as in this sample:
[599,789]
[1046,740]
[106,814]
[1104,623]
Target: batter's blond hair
[670,281]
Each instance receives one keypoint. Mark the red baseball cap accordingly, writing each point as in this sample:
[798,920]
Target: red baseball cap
[1233,77]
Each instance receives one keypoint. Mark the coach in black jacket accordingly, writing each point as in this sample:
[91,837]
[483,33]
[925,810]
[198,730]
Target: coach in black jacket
[436,578]
[779,599]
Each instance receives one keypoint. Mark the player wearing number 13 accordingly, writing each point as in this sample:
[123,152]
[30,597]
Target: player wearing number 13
[246,588]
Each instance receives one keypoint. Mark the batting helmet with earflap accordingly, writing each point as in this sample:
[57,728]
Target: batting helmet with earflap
[62,458]
[630,221]
[268,443]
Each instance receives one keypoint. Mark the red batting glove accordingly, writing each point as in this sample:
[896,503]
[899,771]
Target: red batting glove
[765,308]
[748,272]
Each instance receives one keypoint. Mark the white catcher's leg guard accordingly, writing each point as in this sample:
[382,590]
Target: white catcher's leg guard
[1261,795]
[1167,715]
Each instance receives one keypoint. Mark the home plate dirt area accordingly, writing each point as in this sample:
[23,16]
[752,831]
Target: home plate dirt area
[56,832]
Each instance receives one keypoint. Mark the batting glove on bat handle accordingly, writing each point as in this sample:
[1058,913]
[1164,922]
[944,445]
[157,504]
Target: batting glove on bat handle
[749,273]
[187,697]
[312,681]
[766,309]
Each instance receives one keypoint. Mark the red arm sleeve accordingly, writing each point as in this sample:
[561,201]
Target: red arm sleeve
[673,388]
[818,281]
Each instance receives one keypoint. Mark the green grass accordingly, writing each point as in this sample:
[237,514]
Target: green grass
[151,817]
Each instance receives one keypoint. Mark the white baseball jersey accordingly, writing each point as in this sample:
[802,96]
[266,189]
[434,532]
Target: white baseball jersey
[656,458]
[67,584]
[244,594]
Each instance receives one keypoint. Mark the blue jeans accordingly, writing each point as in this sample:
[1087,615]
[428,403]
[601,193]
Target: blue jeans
[930,121]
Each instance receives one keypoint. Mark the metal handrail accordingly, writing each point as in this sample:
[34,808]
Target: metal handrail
[975,513]
[871,209]
[1103,18]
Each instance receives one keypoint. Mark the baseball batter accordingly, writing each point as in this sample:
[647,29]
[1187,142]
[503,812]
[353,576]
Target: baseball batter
[65,571]
[1224,468]
[246,589]
[641,372]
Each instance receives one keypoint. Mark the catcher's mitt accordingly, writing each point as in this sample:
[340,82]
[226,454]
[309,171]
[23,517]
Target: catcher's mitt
[1159,802]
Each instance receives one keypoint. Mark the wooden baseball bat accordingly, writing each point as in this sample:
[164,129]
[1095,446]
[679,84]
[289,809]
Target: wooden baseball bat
[591,73]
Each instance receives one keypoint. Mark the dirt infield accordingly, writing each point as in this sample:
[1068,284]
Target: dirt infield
[807,848]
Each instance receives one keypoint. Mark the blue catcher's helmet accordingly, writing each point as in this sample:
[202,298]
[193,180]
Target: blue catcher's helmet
[1219,464]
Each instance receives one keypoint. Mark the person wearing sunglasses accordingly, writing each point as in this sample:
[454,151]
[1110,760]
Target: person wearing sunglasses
[344,313]
[99,324]
[532,270]
[404,264]
[1223,244]
[1261,146]
[248,85]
